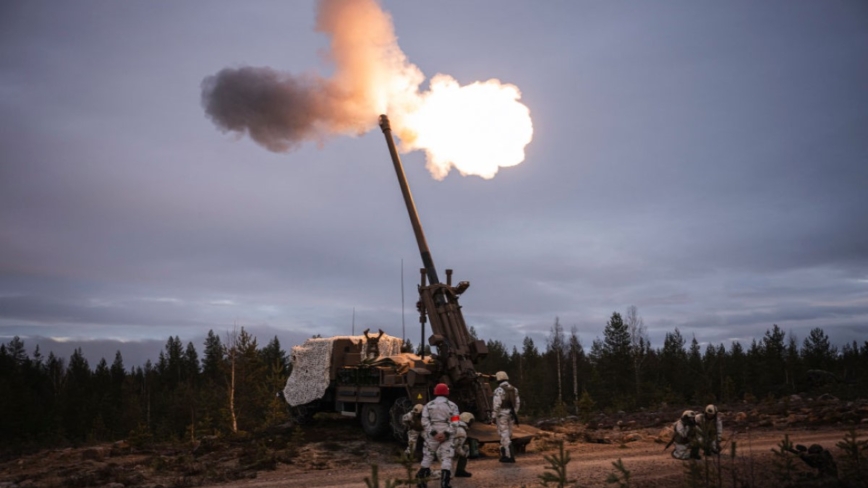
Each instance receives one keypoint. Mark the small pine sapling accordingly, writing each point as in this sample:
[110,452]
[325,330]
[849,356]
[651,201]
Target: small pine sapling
[558,465]
[854,462]
[783,461]
[732,471]
[586,406]
[374,480]
[407,461]
[621,475]
[693,477]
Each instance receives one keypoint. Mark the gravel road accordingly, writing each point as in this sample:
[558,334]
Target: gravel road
[590,465]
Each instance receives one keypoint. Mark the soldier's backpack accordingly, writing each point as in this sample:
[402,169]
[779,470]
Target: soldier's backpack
[508,399]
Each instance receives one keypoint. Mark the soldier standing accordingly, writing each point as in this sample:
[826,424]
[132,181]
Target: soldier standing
[506,403]
[439,418]
[684,437]
[412,421]
[462,450]
[710,430]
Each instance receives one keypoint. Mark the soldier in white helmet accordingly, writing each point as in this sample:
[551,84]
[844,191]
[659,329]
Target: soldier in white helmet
[412,421]
[709,430]
[506,403]
[439,418]
[462,449]
[684,437]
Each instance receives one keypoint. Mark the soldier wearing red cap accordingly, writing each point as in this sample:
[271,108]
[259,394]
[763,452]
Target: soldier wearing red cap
[439,418]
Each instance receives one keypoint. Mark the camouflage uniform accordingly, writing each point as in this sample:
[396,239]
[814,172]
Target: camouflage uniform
[818,458]
[503,416]
[413,422]
[439,415]
[709,433]
[459,443]
[685,439]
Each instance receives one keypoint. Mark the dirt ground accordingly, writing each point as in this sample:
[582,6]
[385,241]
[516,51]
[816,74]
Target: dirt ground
[590,464]
[333,452]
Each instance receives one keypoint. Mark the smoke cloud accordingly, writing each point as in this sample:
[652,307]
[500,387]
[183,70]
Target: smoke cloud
[477,129]
[280,110]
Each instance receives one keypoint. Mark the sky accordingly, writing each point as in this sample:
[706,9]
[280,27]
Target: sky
[706,163]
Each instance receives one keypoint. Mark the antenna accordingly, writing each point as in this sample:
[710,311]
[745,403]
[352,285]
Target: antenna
[354,320]
[403,332]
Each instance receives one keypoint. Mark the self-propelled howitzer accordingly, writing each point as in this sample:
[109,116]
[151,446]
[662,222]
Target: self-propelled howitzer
[372,378]
[457,350]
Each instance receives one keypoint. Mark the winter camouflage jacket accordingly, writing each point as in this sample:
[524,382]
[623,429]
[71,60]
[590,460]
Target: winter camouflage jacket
[714,427]
[501,398]
[412,421]
[440,415]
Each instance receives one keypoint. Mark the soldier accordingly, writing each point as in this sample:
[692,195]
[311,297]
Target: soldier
[709,430]
[817,458]
[412,421]
[462,449]
[439,418]
[506,404]
[684,437]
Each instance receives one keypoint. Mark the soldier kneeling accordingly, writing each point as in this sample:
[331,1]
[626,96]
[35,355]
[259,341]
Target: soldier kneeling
[684,437]
[412,421]
[462,448]
[709,430]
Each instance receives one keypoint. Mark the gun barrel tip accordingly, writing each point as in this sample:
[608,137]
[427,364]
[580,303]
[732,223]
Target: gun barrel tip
[384,122]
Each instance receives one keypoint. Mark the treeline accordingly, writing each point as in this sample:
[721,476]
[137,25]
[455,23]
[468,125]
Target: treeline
[621,371]
[50,401]
[231,387]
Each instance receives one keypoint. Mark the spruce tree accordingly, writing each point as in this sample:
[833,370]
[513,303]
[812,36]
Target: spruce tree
[817,352]
[616,362]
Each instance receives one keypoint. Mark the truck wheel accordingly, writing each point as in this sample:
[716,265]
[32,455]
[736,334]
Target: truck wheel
[375,420]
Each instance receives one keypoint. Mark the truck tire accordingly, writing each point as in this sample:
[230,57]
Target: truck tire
[375,420]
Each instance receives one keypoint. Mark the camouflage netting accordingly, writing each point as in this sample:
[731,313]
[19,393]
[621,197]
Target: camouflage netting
[311,362]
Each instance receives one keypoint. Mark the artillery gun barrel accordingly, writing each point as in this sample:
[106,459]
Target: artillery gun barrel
[457,351]
[427,261]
